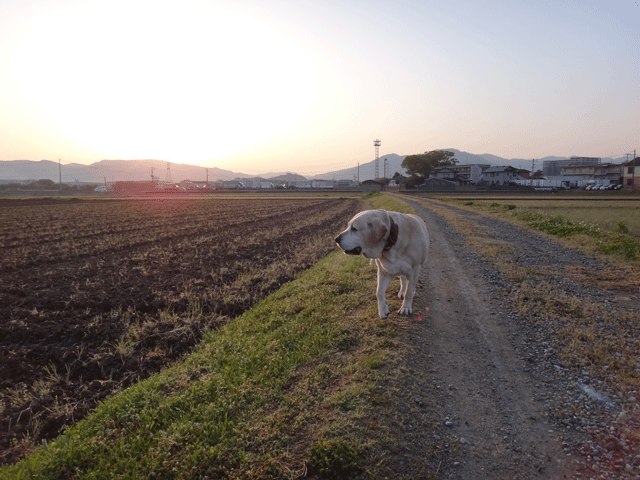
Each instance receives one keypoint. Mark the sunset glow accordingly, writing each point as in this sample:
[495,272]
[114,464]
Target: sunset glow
[305,86]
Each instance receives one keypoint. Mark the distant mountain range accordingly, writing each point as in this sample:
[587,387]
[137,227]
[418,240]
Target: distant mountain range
[136,170]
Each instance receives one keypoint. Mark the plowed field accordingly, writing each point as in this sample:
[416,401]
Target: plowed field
[96,294]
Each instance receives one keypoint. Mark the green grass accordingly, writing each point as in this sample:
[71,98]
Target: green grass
[556,225]
[388,202]
[268,395]
[605,227]
[616,242]
[604,213]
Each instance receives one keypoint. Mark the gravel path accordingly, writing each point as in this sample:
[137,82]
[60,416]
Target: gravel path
[509,408]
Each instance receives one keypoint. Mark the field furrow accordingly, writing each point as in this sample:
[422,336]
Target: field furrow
[94,295]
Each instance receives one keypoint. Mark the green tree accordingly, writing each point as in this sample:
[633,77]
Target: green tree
[44,184]
[419,166]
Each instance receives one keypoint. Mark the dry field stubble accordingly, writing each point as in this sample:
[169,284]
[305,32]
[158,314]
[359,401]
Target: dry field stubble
[96,294]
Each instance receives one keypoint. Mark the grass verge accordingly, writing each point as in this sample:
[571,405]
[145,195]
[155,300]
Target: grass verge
[584,225]
[281,392]
[249,403]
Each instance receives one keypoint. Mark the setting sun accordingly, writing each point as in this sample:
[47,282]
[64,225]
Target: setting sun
[193,84]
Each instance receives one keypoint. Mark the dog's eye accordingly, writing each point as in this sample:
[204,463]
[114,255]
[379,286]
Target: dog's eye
[353,229]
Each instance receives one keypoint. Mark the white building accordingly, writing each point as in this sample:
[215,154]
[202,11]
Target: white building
[501,175]
[467,173]
[321,183]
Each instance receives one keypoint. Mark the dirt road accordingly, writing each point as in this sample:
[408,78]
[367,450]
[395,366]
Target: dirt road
[471,361]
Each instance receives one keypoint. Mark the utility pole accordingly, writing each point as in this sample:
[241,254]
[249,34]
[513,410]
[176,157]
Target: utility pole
[59,175]
[376,143]
[533,166]
[633,171]
[207,176]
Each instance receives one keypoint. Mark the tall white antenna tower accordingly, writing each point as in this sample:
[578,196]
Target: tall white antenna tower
[376,143]
[169,180]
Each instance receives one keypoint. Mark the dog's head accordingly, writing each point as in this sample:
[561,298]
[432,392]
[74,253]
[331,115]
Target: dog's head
[365,234]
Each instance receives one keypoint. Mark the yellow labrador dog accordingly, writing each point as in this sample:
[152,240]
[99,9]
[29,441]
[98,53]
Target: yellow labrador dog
[398,242]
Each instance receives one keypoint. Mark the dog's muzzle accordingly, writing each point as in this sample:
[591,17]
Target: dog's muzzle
[353,251]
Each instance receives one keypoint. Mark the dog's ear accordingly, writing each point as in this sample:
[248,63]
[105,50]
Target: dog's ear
[378,230]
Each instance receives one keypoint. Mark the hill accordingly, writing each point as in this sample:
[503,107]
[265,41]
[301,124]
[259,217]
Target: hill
[139,170]
[286,177]
[110,170]
[366,171]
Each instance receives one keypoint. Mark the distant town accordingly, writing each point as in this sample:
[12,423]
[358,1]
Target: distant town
[587,173]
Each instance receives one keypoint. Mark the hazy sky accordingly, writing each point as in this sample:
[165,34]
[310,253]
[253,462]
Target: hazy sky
[306,86]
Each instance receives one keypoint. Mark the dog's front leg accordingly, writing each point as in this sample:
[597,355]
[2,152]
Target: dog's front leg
[383,283]
[407,304]
[403,287]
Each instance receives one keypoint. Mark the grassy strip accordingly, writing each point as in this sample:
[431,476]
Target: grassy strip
[248,403]
[388,202]
[603,211]
[616,241]
[278,393]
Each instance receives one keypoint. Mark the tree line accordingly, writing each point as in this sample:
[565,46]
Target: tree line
[46,184]
[419,166]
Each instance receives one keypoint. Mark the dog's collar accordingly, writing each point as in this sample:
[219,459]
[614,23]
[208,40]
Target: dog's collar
[393,236]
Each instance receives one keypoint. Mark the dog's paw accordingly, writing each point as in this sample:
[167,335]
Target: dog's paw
[383,311]
[405,310]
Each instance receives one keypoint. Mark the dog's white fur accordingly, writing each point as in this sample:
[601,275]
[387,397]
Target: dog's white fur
[368,233]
